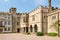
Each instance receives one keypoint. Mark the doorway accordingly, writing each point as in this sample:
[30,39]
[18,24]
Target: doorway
[26,29]
[31,28]
[35,28]
[18,30]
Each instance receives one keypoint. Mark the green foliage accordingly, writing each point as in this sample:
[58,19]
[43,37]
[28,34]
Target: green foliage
[52,34]
[39,34]
[55,25]
[59,35]
[27,33]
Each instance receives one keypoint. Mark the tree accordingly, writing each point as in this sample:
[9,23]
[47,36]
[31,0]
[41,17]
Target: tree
[55,25]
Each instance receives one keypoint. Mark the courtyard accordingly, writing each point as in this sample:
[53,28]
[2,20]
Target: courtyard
[19,36]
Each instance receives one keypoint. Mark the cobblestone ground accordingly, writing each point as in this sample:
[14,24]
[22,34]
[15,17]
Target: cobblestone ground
[18,36]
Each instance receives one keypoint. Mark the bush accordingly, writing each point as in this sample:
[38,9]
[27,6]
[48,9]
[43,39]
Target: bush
[27,33]
[52,34]
[39,34]
[59,35]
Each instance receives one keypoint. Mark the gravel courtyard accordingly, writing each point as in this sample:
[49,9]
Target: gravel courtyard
[18,36]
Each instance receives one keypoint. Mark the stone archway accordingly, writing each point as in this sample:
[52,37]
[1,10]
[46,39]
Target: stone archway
[35,28]
[18,30]
[23,29]
[31,28]
[26,29]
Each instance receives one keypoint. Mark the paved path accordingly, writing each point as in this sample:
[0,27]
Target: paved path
[18,36]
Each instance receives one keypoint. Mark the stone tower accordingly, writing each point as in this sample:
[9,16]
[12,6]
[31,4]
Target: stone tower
[49,5]
[12,10]
[14,21]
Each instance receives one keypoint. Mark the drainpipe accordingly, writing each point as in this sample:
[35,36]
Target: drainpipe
[42,21]
[58,24]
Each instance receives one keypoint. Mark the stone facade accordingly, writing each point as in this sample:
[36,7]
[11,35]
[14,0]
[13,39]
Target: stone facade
[24,22]
[41,19]
[53,17]
[5,22]
[38,20]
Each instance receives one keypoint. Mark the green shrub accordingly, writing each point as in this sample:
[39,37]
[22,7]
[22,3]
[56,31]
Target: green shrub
[27,33]
[39,34]
[52,34]
[59,35]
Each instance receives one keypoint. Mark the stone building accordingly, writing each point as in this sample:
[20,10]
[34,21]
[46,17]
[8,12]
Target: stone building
[54,21]
[38,20]
[24,22]
[42,19]
[5,22]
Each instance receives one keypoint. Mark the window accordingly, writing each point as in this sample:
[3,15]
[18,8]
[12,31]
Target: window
[1,30]
[24,20]
[0,14]
[33,18]
[8,17]
[53,17]
[8,22]
[17,23]
[5,29]
[1,23]
[8,28]
[5,17]
[45,17]
[5,23]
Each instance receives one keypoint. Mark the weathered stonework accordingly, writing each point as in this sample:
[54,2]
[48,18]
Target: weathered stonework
[38,20]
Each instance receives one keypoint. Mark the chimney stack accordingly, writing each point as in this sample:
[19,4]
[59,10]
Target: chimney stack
[49,5]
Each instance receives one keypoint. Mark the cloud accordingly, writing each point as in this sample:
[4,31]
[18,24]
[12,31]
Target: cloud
[39,2]
[6,0]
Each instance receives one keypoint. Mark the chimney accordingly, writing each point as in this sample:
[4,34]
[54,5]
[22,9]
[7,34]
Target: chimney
[12,10]
[49,5]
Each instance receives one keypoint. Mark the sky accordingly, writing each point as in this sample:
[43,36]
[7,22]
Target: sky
[25,5]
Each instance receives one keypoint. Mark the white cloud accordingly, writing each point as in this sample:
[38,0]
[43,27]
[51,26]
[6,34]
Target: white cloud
[38,2]
[6,0]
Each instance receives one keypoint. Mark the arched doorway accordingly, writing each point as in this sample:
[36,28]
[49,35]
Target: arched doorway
[18,30]
[26,29]
[31,29]
[35,28]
